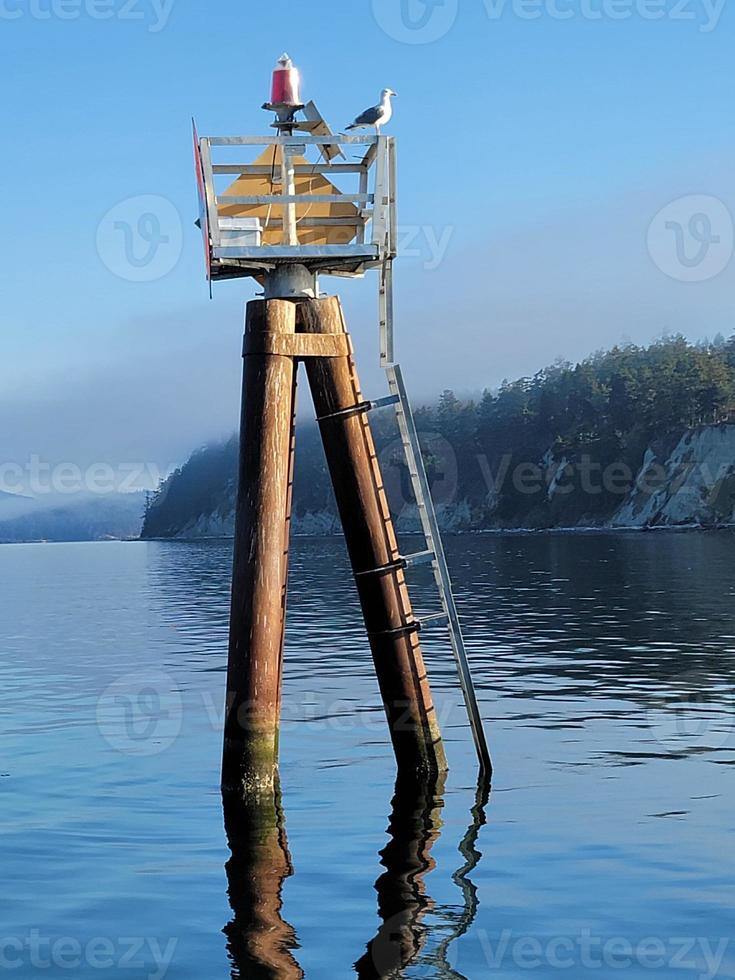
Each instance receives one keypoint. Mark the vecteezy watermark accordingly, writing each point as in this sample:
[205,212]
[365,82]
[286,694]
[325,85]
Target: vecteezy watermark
[415,21]
[326,713]
[699,956]
[586,475]
[140,714]
[155,14]
[691,238]
[426,243]
[150,957]
[143,714]
[425,21]
[39,478]
[141,238]
[440,462]
[549,479]
[705,13]
[689,714]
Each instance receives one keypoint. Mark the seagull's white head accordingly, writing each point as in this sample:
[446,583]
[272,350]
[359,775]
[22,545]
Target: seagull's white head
[388,92]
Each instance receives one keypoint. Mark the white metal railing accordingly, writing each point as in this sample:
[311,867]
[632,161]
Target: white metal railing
[374,221]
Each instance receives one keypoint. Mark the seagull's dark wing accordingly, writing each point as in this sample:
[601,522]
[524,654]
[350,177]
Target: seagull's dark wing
[370,116]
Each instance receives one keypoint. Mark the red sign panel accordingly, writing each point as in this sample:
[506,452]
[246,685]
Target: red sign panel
[203,213]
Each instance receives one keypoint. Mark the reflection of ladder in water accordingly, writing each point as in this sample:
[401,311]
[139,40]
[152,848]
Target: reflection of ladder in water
[434,552]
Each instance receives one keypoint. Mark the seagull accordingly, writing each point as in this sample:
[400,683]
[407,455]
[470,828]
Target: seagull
[379,115]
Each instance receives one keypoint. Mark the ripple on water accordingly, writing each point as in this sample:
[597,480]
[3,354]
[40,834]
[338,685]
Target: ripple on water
[604,667]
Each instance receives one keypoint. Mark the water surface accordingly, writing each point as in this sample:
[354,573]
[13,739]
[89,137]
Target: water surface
[604,665]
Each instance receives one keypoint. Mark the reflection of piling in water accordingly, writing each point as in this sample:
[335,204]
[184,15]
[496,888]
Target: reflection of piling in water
[415,824]
[468,850]
[468,844]
[259,941]
[403,901]
[460,922]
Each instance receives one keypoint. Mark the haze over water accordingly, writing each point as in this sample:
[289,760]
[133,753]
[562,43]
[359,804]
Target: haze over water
[604,665]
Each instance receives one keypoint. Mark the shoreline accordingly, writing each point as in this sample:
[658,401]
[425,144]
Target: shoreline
[479,532]
[501,532]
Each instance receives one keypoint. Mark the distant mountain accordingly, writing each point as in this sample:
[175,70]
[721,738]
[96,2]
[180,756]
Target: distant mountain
[14,505]
[198,500]
[633,437]
[115,516]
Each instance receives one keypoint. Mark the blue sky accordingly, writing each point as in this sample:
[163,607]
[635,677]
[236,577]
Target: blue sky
[538,140]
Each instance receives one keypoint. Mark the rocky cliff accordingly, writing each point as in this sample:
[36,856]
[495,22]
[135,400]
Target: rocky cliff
[631,437]
[692,483]
[686,479]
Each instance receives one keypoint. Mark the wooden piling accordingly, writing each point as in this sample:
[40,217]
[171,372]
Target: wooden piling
[260,552]
[372,546]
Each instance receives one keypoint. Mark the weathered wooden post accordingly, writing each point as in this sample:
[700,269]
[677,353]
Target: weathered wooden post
[261,549]
[371,542]
[283,221]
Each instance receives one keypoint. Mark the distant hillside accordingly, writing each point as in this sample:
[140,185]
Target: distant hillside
[198,500]
[115,516]
[13,504]
[636,436]
[9,497]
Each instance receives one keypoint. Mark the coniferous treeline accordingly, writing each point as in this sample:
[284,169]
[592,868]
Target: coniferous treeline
[605,411]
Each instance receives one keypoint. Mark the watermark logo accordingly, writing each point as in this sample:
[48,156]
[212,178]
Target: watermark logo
[440,462]
[415,21]
[155,14]
[141,238]
[141,714]
[424,21]
[394,946]
[40,478]
[697,956]
[689,715]
[706,13]
[691,239]
[148,956]
[426,243]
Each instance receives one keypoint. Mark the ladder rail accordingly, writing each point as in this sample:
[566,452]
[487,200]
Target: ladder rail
[430,526]
[385,306]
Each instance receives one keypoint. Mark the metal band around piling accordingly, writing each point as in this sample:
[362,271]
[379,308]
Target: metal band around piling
[414,627]
[358,409]
[393,566]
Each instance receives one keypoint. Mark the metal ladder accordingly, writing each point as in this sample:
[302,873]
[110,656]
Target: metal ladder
[427,514]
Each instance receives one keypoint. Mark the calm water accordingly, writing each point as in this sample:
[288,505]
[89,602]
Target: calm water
[605,665]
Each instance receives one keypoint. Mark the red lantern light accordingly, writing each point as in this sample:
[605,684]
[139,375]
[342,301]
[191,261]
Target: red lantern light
[286,83]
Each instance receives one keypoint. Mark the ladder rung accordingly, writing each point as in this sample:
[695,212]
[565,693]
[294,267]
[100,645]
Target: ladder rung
[420,558]
[428,622]
[384,402]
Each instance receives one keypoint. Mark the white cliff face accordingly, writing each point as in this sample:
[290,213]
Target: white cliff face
[452,518]
[556,471]
[222,525]
[684,481]
[210,526]
[694,484]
